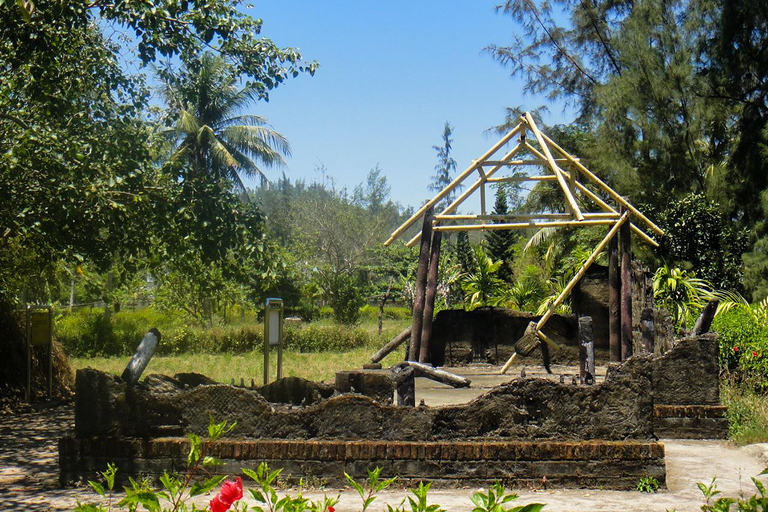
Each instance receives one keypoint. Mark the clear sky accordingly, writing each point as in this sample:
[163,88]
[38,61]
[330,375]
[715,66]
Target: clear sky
[391,74]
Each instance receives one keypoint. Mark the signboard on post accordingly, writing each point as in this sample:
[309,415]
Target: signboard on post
[39,334]
[273,335]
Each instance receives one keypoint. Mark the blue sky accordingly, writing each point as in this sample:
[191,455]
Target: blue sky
[391,74]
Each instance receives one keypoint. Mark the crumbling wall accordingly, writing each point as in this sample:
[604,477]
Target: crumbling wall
[488,334]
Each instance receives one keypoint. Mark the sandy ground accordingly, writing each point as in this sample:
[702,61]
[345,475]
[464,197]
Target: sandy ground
[29,469]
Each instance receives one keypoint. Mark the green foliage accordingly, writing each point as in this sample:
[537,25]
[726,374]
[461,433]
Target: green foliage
[481,284]
[419,504]
[444,169]
[681,293]
[743,337]
[698,236]
[647,484]
[372,487]
[747,414]
[346,296]
[496,498]
[88,333]
[500,242]
[755,503]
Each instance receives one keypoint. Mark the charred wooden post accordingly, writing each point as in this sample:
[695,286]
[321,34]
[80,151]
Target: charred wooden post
[405,384]
[626,290]
[648,330]
[417,321]
[429,299]
[704,322]
[392,345]
[614,301]
[586,351]
[141,358]
[424,370]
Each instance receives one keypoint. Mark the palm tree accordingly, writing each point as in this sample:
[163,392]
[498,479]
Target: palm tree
[207,131]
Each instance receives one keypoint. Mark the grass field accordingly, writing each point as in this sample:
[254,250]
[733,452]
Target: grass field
[315,366]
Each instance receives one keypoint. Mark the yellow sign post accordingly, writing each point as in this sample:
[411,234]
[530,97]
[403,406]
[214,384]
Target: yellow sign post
[39,334]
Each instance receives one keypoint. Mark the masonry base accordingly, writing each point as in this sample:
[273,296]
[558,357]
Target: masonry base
[583,464]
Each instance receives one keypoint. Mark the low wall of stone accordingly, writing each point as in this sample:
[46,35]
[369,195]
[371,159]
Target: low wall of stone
[604,464]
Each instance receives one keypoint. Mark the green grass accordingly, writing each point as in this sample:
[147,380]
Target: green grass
[747,414]
[314,366]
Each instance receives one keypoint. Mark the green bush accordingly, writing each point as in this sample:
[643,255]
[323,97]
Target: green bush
[743,346]
[88,334]
[390,313]
[324,338]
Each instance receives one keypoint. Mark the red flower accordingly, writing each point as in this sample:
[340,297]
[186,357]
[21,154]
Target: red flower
[229,493]
[754,354]
[331,509]
[735,349]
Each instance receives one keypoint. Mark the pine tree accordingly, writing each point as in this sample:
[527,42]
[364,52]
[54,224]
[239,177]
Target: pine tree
[464,254]
[444,170]
[500,242]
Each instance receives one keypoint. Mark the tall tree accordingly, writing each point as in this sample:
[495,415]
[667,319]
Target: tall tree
[500,243]
[445,168]
[209,133]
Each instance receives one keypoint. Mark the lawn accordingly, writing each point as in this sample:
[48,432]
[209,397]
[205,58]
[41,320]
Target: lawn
[315,366]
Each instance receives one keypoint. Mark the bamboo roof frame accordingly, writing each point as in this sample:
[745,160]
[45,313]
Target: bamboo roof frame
[566,170]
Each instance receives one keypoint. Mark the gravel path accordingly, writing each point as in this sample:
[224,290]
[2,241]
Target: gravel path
[29,474]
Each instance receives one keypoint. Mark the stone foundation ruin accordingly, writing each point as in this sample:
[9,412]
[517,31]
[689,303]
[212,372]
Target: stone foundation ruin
[575,435]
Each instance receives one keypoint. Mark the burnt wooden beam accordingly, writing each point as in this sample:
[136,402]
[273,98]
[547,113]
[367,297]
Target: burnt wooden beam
[424,370]
[586,351]
[614,301]
[626,290]
[392,345]
[648,330]
[141,358]
[704,322]
[405,385]
[417,319]
[429,299]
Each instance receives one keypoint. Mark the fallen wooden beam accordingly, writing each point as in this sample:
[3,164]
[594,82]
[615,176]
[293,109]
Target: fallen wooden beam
[430,372]
[392,345]
[704,322]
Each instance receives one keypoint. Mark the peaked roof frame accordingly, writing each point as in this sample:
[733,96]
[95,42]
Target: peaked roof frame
[566,170]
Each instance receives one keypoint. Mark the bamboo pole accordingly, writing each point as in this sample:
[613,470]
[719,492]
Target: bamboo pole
[513,179]
[587,216]
[456,182]
[524,225]
[608,190]
[508,363]
[583,270]
[457,202]
[540,161]
[392,345]
[555,169]
[605,206]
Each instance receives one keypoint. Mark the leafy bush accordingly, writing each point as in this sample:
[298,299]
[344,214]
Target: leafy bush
[390,313]
[743,341]
[324,338]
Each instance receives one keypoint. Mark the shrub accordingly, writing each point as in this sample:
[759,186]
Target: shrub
[743,342]
[324,338]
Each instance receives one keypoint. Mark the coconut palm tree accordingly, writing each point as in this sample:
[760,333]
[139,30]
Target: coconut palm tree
[207,133]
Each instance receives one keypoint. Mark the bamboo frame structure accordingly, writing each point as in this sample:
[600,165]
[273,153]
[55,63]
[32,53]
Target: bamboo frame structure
[558,165]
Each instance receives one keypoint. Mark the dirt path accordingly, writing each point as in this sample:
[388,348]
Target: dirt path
[29,472]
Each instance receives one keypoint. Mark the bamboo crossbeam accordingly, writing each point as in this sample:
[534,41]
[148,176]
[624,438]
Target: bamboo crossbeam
[583,270]
[608,190]
[540,161]
[455,183]
[525,225]
[521,178]
[516,216]
[605,206]
[457,202]
[555,169]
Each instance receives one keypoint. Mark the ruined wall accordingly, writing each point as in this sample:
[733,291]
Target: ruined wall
[488,334]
